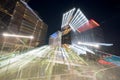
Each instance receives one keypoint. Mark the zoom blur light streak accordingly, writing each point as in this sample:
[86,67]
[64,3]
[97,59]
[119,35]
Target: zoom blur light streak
[89,44]
[83,48]
[20,36]
[96,45]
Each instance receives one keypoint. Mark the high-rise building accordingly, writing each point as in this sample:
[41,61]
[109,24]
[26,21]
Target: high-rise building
[76,27]
[17,18]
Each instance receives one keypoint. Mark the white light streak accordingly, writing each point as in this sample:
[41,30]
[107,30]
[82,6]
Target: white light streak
[97,45]
[74,21]
[78,50]
[25,57]
[78,20]
[89,44]
[83,48]
[62,21]
[80,24]
[103,44]
[78,15]
[66,17]
[72,11]
[20,36]
[74,17]
[72,27]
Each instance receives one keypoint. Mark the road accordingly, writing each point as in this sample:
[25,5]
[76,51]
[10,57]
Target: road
[46,63]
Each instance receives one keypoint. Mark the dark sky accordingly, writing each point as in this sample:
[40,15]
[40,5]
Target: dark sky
[105,12]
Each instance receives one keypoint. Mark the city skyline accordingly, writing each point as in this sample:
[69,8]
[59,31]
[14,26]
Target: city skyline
[106,13]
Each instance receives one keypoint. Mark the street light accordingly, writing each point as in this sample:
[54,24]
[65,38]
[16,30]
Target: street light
[15,35]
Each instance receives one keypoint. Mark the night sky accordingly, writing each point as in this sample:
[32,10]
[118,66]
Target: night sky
[105,12]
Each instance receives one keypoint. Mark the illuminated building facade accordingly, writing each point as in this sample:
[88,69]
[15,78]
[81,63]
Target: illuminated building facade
[74,22]
[16,17]
[55,39]
[83,35]
[66,36]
